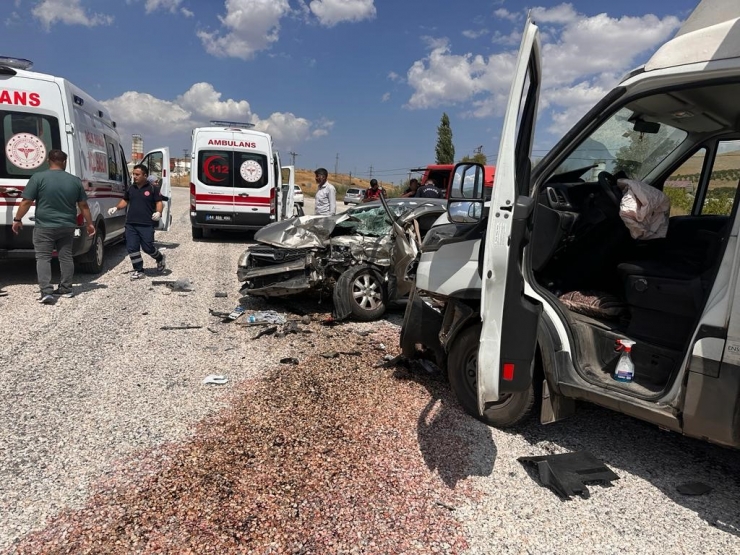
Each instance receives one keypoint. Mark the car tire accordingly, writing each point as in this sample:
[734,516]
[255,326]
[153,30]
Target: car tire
[92,261]
[197,232]
[366,293]
[509,410]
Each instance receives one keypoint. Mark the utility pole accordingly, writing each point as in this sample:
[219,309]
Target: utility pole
[336,166]
[371,171]
[292,157]
[478,150]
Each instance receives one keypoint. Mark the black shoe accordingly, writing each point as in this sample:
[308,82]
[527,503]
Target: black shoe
[66,293]
[47,299]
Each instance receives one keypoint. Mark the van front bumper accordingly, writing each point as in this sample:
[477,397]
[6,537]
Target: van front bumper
[233,221]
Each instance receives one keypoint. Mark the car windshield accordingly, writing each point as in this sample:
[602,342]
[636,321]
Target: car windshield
[372,220]
[617,146]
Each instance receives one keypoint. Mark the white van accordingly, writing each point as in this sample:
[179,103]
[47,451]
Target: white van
[563,282]
[235,179]
[40,112]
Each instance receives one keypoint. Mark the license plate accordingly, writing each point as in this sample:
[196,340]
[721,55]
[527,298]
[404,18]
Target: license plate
[211,218]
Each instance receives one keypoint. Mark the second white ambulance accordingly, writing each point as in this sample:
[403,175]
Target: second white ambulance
[235,180]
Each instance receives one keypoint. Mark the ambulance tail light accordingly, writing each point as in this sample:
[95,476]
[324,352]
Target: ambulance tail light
[273,202]
[192,196]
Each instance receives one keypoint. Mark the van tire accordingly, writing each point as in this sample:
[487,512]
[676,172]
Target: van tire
[197,232]
[93,261]
[509,411]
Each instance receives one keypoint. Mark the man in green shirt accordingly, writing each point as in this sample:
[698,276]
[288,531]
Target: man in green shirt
[58,194]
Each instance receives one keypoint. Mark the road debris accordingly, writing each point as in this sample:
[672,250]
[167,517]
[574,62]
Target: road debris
[221,294]
[182,285]
[215,379]
[693,488]
[185,327]
[266,331]
[289,360]
[567,474]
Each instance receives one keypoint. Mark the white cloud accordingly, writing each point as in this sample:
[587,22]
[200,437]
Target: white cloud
[332,12]
[583,57]
[70,12]
[169,5]
[186,12]
[249,26]
[503,13]
[138,112]
[472,34]
[393,76]
[386,97]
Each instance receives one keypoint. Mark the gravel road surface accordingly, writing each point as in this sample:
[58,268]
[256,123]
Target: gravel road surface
[111,443]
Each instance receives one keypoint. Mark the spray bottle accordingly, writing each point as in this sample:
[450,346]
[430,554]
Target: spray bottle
[625,370]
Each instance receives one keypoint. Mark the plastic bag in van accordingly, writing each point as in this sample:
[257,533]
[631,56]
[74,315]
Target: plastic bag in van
[644,209]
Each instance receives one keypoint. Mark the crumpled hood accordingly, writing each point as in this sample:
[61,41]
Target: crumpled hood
[300,233]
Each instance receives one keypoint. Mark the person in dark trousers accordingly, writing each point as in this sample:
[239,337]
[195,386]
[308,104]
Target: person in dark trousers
[373,192]
[144,203]
[429,190]
[58,195]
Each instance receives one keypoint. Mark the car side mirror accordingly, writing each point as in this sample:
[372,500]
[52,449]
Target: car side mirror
[465,211]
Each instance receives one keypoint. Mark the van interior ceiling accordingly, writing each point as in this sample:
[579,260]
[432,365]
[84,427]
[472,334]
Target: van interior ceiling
[612,286]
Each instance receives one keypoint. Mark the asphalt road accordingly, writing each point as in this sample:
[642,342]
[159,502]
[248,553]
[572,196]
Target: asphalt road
[95,381]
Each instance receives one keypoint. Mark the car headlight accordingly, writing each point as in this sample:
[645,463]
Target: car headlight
[243,259]
[435,236]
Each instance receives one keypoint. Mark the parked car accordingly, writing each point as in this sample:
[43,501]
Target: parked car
[297,195]
[354,196]
[362,255]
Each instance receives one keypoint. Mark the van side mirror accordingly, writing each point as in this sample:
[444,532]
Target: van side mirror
[467,192]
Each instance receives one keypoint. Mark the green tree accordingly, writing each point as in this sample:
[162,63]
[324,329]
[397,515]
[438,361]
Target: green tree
[478,158]
[445,150]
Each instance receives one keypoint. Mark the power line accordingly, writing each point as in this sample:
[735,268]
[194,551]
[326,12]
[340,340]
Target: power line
[292,157]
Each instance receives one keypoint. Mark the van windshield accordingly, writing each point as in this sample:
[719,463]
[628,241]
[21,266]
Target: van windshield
[27,138]
[616,145]
[225,168]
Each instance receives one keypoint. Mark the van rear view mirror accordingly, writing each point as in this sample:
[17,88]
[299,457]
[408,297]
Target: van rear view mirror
[650,127]
[467,181]
[465,211]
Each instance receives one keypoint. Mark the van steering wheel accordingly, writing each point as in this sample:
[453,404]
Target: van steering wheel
[609,185]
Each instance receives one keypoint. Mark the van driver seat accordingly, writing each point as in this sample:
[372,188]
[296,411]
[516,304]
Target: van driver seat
[665,293]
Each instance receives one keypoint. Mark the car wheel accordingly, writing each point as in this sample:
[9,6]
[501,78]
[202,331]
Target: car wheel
[92,261]
[366,293]
[197,232]
[462,365]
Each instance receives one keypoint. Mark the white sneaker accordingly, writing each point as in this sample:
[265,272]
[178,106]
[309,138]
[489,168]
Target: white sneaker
[47,299]
[137,275]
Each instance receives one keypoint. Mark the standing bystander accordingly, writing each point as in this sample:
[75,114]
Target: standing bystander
[144,203]
[58,195]
[412,188]
[326,195]
[373,192]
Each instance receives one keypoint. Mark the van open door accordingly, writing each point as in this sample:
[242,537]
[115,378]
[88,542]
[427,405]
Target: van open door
[509,318]
[287,192]
[158,162]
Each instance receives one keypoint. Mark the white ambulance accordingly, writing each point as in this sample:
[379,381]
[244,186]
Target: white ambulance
[41,112]
[235,180]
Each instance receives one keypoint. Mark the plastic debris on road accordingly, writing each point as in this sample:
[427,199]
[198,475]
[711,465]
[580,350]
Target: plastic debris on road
[215,379]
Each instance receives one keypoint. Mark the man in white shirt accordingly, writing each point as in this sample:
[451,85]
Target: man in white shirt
[326,195]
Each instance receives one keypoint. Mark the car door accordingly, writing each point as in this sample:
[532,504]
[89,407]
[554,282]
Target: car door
[287,192]
[509,318]
[158,162]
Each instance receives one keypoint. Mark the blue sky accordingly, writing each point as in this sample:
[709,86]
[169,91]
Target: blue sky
[357,84]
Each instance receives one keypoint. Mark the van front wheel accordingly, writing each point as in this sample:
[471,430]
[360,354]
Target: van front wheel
[462,365]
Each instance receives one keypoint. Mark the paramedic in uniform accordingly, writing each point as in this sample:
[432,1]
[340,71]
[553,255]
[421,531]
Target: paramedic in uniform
[326,195]
[144,203]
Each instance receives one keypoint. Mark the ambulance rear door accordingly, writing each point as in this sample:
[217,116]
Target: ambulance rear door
[158,162]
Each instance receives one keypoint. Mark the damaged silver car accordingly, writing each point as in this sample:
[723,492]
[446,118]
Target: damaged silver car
[362,256]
